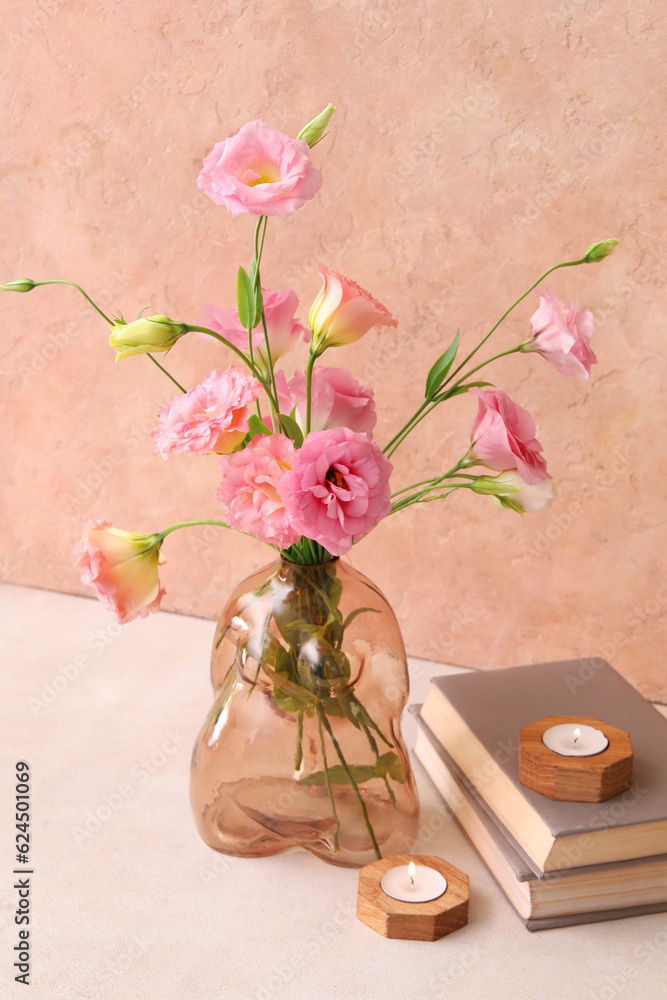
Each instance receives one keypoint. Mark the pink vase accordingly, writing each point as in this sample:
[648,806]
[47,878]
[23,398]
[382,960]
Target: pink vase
[302,747]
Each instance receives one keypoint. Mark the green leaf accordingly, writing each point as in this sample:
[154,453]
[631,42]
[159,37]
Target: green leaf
[359,611]
[280,682]
[335,633]
[256,426]
[291,429]
[245,300]
[225,690]
[438,372]
[223,633]
[335,591]
[511,504]
[338,775]
[298,753]
[459,389]
[287,702]
[259,301]
[389,764]
[275,655]
[368,721]
[332,708]
[323,669]
[350,709]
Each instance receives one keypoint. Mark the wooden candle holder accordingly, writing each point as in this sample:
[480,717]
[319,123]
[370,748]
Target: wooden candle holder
[413,921]
[575,779]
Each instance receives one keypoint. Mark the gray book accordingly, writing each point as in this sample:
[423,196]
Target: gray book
[477,717]
[549,899]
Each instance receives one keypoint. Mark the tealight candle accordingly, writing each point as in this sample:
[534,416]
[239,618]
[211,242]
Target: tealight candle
[413,883]
[571,740]
[419,898]
[572,758]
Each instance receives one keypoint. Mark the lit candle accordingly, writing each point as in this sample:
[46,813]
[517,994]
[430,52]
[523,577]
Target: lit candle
[575,741]
[413,883]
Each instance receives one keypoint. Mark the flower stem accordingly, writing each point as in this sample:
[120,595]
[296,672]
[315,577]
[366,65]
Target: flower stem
[85,295]
[169,376]
[320,716]
[413,486]
[423,497]
[435,480]
[244,358]
[567,263]
[471,371]
[431,404]
[312,358]
[374,747]
[257,284]
[269,365]
[350,778]
[298,754]
[427,406]
[406,428]
[259,247]
[306,552]
[189,524]
[223,340]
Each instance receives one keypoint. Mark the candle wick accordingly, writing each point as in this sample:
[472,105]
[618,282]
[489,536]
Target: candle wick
[411,879]
[576,738]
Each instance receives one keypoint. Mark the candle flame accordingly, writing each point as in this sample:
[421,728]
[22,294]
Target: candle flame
[577,734]
[411,872]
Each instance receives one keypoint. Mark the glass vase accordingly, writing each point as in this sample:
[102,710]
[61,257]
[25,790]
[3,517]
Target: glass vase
[302,747]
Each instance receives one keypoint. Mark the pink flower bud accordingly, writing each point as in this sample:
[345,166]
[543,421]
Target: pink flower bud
[338,400]
[121,567]
[562,335]
[343,312]
[283,329]
[503,437]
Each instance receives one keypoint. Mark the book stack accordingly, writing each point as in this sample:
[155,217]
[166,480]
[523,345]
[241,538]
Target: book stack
[557,862]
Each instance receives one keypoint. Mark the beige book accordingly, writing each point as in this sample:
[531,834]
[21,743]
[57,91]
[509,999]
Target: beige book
[477,718]
[575,895]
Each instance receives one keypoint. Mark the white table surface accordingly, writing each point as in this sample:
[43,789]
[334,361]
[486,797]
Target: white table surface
[140,908]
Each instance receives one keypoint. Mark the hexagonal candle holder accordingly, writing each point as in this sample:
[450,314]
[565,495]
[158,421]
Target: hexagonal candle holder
[563,778]
[395,918]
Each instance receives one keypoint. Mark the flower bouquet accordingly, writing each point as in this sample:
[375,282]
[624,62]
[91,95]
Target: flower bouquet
[302,745]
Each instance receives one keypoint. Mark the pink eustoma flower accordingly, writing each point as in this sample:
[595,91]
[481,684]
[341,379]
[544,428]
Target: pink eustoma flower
[503,437]
[338,488]
[337,400]
[261,171]
[562,335]
[121,567]
[210,417]
[282,327]
[343,312]
[249,490]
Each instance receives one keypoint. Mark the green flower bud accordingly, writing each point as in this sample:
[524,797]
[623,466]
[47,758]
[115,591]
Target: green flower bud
[314,131]
[148,335]
[598,251]
[509,503]
[22,285]
[511,491]
[494,485]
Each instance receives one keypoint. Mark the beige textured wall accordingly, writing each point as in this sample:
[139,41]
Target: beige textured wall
[474,145]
